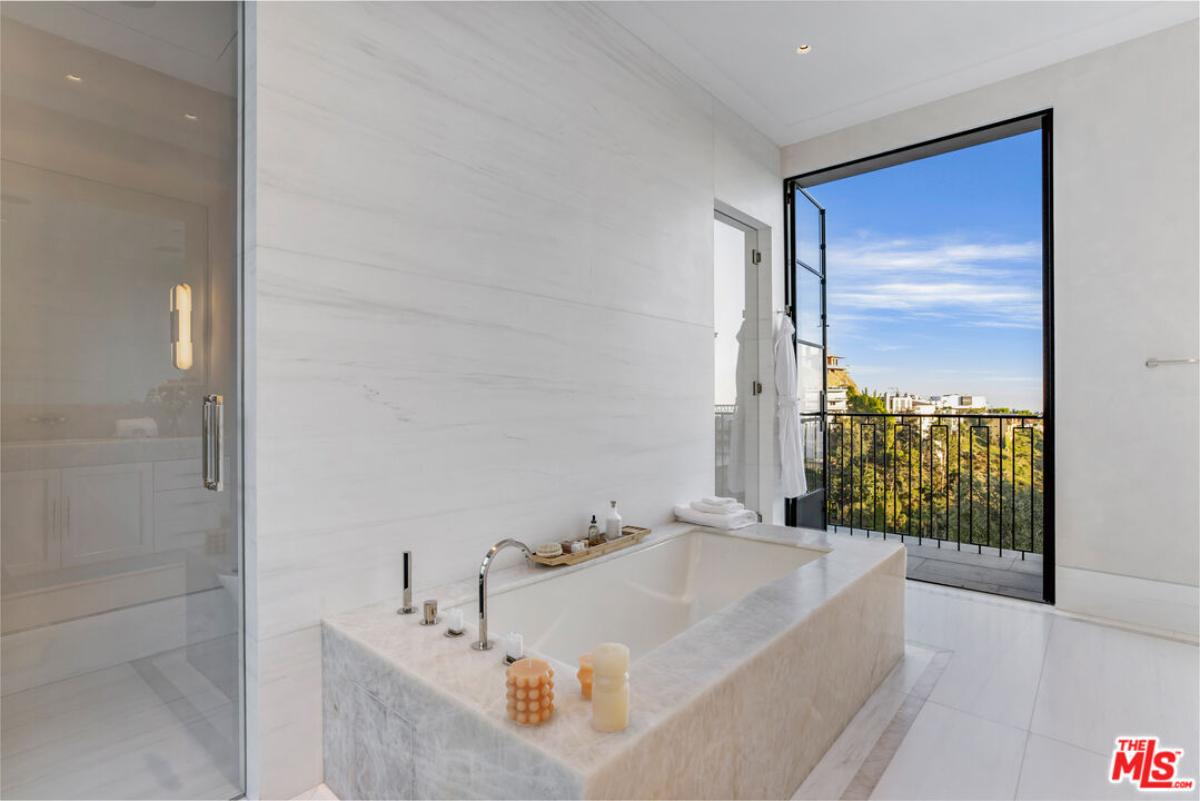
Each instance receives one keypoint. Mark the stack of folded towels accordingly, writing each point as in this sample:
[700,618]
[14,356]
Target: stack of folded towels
[724,513]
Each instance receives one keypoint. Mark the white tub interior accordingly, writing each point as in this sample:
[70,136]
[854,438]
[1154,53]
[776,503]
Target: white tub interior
[643,598]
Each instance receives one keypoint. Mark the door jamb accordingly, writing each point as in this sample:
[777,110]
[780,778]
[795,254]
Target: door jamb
[768,468]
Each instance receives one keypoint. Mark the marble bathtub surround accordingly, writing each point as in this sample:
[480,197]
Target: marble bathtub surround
[741,704]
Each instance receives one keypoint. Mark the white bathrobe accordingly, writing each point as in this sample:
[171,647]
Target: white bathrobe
[791,446]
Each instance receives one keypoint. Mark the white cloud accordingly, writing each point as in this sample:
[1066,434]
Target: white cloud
[921,256]
[905,295]
[986,284]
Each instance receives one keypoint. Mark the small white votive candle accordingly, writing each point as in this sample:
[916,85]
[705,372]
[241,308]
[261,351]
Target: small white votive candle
[514,647]
[456,621]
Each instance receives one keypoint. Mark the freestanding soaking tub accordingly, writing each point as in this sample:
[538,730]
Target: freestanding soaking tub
[750,652]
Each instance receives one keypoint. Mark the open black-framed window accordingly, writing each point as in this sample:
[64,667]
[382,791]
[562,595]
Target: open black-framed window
[805,287]
[1016,451]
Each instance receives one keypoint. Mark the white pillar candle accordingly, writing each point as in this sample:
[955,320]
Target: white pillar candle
[610,687]
[515,646]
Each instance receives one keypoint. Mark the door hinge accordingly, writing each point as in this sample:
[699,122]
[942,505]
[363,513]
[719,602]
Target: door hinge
[756,388]
[756,256]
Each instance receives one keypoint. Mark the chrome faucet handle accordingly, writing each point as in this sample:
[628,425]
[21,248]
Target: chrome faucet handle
[407,608]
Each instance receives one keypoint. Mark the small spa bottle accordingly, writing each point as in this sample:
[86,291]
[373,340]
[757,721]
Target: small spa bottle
[594,536]
[610,687]
[613,522]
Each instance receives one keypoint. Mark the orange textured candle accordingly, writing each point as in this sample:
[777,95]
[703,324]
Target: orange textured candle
[530,691]
[585,675]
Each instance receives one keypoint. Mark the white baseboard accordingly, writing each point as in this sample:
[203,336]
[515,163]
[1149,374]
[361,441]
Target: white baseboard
[1155,606]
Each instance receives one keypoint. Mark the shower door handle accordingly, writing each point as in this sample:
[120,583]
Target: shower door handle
[213,445]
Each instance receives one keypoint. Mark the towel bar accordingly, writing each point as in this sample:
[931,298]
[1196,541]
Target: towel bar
[1152,362]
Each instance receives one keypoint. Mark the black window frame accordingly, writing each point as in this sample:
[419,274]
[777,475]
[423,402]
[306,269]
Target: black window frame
[1042,120]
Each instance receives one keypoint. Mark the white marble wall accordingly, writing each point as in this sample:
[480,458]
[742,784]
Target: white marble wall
[482,266]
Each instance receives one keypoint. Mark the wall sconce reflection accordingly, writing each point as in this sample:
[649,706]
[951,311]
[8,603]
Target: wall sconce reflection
[181,326]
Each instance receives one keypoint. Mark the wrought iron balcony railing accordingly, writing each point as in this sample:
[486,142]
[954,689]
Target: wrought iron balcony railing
[960,480]
[966,480]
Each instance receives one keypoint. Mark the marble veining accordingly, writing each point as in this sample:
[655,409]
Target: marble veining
[481,255]
[742,704]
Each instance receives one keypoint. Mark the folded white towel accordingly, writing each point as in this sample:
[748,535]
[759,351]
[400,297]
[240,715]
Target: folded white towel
[736,520]
[716,509]
[717,500]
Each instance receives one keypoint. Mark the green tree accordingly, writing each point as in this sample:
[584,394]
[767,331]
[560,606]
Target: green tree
[864,401]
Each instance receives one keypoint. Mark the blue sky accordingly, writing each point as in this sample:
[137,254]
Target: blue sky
[935,275]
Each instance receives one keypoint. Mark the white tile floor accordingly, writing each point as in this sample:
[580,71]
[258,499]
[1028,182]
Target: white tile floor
[1031,701]
[1025,704]
[153,728]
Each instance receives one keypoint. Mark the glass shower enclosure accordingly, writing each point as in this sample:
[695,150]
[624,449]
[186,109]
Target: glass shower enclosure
[121,669]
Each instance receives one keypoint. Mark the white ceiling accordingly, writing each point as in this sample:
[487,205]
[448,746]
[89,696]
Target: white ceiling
[191,41]
[870,59]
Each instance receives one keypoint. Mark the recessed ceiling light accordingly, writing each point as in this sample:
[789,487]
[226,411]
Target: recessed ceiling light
[70,76]
[803,49]
[192,117]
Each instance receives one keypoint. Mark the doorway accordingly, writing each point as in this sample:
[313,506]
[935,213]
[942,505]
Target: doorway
[736,385]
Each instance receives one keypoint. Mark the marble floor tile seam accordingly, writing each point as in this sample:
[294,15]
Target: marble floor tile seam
[963,704]
[982,718]
[1037,690]
[1021,764]
[1076,746]
[887,743]
[863,784]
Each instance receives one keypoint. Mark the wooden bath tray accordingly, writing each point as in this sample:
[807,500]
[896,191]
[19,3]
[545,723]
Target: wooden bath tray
[629,536]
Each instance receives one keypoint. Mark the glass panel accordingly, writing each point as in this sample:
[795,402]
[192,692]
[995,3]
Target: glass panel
[808,378]
[119,269]
[814,452]
[808,306]
[734,349]
[808,231]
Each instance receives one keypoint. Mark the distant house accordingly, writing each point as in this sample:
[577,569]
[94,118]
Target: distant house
[907,403]
[924,406]
[960,403]
[837,399]
[838,384]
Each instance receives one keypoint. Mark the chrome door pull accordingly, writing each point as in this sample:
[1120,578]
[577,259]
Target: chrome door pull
[214,426]
[1152,362]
